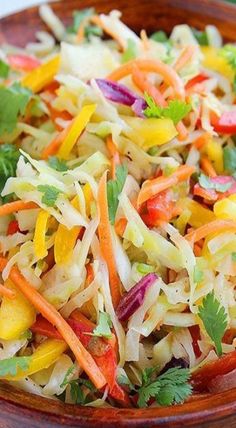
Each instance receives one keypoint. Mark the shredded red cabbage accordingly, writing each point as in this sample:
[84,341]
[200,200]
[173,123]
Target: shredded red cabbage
[119,93]
[132,300]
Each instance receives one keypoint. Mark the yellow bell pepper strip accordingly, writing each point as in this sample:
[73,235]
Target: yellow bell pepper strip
[214,152]
[65,240]
[40,247]
[88,196]
[226,208]
[79,123]
[43,357]
[214,61]
[42,75]
[150,132]
[199,215]
[48,311]
[16,315]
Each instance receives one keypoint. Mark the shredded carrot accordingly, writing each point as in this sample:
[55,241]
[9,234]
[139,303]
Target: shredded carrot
[140,80]
[207,167]
[105,238]
[6,292]
[120,226]
[81,31]
[197,250]
[153,66]
[98,21]
[151,188]
[144,39]
[54,145]
[115,157]
[48,311]
[12,207]
[212,227]
[184,57]
[202,140]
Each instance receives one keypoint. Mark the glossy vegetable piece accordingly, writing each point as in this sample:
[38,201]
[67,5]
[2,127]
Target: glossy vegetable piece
[226,208]
[16,315]
[199,214]
[43,327]
[42,75]
[151,132]
[40,247]
[214,152]
[216,62]
[43,357]
[65,241]
[13,227]
[200,378]
[160,207]
[201,77]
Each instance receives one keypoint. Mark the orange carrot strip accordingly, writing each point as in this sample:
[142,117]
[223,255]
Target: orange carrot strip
[197,250]
[98,21]
[114,155]
[6,292]
[48,311]
[212,227]
[54,145]
[184,57]
[105,238]
[120,226]
[169,75]
[202,140]
[142,83]
[12,207]
[151,188]
[207,167]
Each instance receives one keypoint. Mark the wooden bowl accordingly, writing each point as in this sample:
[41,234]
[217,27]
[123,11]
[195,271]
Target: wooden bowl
[20,409]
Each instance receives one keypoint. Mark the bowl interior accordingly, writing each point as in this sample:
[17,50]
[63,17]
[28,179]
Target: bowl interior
[22,409]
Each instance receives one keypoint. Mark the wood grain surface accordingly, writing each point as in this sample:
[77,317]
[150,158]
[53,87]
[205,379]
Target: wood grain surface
[21,410]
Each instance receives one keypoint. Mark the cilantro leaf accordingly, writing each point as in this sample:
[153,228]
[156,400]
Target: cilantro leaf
[50,194]
[159,36]
[103,328]
[57,164]
[68,374]
[214,318]
[4,69]
[233,255]
[176,109]
[79,17]
[197,275]
[77,393]
[114,188]
[201,37]
[168,388]
[13,102]
[229,156]
[9,156]
[207,183]
[10,366]
[130,52]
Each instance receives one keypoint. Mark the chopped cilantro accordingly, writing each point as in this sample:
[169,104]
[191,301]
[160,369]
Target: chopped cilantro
[50,194]
[103,328]
[176,109]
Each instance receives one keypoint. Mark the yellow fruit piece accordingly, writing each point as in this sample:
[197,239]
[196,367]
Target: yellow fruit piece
[150,132]
[65,241]
[214,61]
[214,152]
[42,75]
[226,208]
[79,123]
[44,356]
[16,315]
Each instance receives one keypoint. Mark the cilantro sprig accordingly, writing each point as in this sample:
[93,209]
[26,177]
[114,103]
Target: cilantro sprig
[176,109]
[214,318]
[103,328]
[50,194]
[13,102]
[9,156]
[10,366]
[169,388]
[57,164]
[76,387]
[114,189]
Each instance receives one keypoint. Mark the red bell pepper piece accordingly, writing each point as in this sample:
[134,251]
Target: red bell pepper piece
[197,79]
[13,227]
[23,62]
[43,327]
[201,378]
[159,208]
[195,333]
[226,124]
